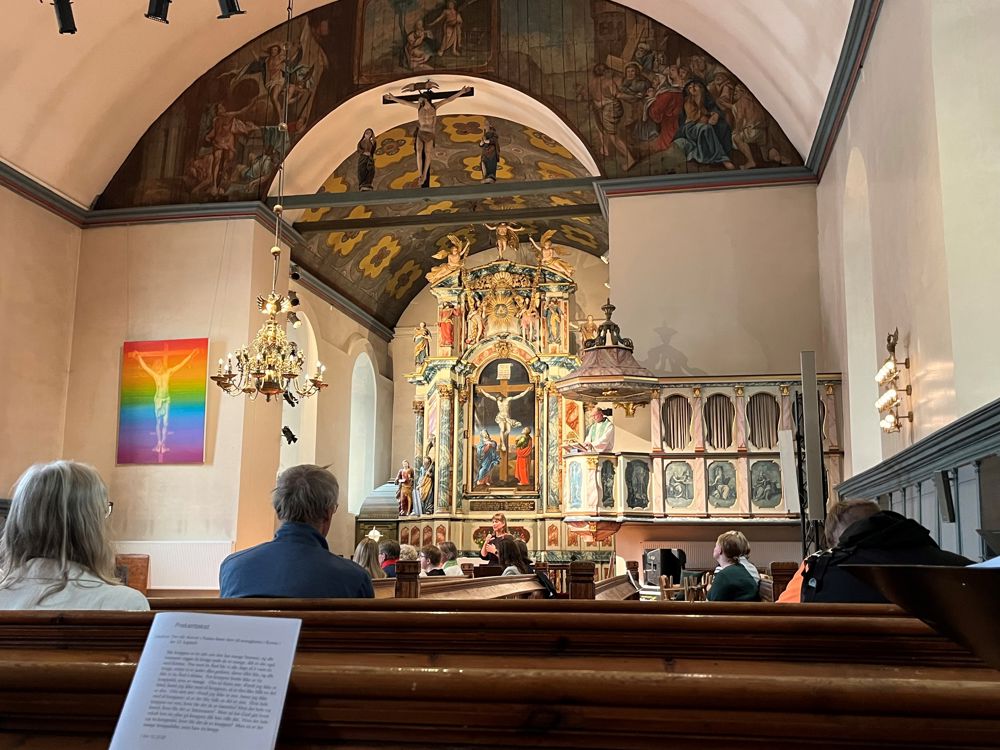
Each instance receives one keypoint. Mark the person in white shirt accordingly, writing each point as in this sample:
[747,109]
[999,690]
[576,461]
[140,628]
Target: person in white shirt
[55,552]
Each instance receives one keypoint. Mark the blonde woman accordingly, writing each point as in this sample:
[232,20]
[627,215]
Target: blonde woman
[55,552]
[366,555]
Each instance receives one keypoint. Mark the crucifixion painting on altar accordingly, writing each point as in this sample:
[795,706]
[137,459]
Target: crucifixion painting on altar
[504,410]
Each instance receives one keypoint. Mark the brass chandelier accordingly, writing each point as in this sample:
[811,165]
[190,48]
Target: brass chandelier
[271,365]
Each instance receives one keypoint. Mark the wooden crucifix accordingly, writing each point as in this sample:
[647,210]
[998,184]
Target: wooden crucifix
[502,395]
[423,102]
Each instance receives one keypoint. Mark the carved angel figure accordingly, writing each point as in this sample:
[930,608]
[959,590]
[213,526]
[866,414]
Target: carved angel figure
[453,257]
[506,235]
[548,255]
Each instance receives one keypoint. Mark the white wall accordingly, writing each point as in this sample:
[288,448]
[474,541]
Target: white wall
[38,266]
[717,283]
[922,127]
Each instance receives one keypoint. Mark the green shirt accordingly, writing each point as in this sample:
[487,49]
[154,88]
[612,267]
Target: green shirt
[733,584]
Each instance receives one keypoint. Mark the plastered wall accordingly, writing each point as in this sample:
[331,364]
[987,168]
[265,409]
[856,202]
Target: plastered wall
[717,283]
[38,267]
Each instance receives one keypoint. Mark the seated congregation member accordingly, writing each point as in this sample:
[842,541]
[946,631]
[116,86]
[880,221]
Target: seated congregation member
[744,548]
[297,563]
[514,564]
[55,552]
[388,556]
[431,561]
[408,552]
[862,533]
[489,550]
[449,553]
[522,547]
[366,555]
[732,582]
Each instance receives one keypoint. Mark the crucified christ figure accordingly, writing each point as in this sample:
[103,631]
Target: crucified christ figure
[423,140]
[160,373]
[504,421]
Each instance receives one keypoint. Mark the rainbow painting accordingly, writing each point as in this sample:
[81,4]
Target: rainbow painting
[161,408]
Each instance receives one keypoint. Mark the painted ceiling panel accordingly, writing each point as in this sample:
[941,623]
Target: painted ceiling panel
[381,267]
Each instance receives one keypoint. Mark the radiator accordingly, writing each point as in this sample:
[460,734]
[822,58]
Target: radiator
[181,565]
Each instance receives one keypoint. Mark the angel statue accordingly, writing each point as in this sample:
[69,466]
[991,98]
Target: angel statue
[506,235]
[453,257]
[548,255]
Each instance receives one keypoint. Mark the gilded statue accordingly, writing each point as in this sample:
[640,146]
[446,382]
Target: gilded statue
[475,328]
[453,255]
[548,254]
[421,344]
[506,236]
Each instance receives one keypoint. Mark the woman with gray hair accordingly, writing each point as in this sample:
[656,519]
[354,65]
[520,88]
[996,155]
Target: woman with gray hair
[55,552]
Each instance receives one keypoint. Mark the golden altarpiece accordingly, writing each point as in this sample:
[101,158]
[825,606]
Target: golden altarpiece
[487,415]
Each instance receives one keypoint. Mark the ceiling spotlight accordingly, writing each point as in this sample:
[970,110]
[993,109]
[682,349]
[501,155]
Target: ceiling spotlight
[293,298]
[293,272]
[606,258]
[230,8]
[158,10]
[293,318]
[289,436]
[64,16]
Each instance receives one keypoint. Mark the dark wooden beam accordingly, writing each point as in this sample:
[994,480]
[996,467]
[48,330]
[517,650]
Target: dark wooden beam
[443,219]
[432,195]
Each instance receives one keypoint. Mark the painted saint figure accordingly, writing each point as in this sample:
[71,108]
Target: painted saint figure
[421,344]
[553,322]
[504,421]
[423,137]
[490,158]
[451,38]
[426,486]
[523,448]
[366,160]
[476,323]
[506,237]
[404,489]
[160,373]
[446,324]
[488,457]
[704,133]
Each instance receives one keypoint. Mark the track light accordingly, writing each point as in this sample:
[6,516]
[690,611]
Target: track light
[230,8]
[289,436]
[293,272]
[293,318]
[158,10]
[293,298]
[64,16]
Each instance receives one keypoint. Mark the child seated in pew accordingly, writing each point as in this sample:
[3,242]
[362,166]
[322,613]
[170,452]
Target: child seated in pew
[744,548]
[511,559]
[55,552]
[732,581]
[430,561]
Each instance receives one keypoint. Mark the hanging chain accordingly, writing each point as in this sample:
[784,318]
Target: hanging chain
[285,142]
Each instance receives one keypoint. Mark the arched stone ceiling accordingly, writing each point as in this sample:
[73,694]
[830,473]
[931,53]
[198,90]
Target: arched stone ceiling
[381,267]
[78,104]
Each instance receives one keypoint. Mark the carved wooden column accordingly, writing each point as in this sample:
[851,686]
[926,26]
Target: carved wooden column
[697,421]
[741,420]
[581,580]
[656,421]
[445,450]
[786,408]
[408,579]
[461,433]
[418,431]
[830,427]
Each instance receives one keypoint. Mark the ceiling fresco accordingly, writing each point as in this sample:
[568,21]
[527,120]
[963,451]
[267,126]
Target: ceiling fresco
[644,99]
[381,268]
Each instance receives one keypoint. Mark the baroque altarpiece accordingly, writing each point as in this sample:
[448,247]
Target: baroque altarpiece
[487,414]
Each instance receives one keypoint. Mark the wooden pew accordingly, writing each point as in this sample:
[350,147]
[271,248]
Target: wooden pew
[601,674]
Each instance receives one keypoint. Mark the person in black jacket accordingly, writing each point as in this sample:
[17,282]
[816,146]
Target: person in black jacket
[863,534]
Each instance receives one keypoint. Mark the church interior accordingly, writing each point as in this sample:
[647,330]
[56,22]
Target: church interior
[630,273]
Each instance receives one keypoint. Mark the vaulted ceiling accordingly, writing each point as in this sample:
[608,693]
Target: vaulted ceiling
[77,105]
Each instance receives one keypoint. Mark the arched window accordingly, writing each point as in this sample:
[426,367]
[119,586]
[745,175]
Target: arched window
[361,472]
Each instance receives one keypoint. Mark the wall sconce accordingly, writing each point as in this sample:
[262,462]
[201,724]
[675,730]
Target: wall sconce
[887,377]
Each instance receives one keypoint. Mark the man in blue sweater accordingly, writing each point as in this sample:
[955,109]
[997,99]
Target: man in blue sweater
[297,563]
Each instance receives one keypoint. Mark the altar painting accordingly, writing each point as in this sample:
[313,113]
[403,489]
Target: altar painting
[504,436]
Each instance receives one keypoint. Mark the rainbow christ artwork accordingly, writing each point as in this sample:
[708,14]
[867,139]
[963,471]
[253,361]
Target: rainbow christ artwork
[161,407]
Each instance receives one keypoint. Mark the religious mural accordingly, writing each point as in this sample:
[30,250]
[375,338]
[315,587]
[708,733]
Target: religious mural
[678,484]
[765,484]
[644,99]
[721,484]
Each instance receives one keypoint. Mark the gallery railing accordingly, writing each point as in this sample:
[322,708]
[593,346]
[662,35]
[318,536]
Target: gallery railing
[721,446]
